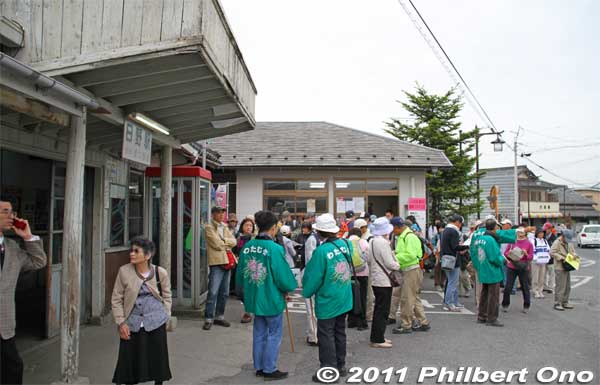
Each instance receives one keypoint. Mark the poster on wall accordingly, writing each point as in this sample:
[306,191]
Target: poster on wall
[418,208]
[341,205]
[359,204]
[220,198]
[311,206]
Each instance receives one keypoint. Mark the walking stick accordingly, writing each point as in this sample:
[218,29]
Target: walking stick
[313,320]
[287,315]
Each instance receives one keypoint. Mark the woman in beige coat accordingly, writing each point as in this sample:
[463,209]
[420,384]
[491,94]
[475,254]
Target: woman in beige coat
[141,307]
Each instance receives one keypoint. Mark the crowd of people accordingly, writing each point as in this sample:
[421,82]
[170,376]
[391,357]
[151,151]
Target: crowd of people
[355,271]
[352,272]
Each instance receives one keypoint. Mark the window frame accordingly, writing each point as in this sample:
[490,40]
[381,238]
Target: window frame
[295,194]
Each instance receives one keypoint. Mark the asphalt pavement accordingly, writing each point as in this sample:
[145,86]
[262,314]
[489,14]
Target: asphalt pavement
[567,341]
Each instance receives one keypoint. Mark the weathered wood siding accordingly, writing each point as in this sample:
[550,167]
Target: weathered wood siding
[57,31]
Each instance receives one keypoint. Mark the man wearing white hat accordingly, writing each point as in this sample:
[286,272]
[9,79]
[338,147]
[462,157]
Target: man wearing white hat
[327,276]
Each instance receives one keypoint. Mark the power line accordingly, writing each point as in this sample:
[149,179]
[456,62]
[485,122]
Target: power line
[568,146]
[480,108]
[555,174]
[577,161]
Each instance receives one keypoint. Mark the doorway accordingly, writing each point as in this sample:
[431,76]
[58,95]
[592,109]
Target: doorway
[379,204]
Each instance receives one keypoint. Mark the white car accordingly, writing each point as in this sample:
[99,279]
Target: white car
[589,236]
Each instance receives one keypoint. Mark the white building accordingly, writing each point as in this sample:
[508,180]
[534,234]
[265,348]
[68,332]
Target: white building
[323,167]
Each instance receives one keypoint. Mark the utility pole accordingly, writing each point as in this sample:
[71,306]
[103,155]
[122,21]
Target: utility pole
[477,172]
[516,181]
[460,202]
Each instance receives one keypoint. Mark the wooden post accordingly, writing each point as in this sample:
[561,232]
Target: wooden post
[71,253]
[166,180]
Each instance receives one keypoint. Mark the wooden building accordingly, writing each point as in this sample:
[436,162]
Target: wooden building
[81,83]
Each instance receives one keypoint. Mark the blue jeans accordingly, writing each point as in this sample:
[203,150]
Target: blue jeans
[266,342]
[451,297]
[218,291]
[514,288]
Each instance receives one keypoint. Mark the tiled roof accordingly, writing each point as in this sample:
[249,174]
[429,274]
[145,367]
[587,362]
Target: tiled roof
[320,144]
[571,197]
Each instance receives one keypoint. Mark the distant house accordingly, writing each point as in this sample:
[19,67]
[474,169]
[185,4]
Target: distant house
[537,203]
[592,193]
[577,209]
[322,167]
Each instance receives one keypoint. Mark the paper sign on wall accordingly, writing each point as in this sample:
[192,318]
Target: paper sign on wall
[359,204]
[340,205]
[311,205]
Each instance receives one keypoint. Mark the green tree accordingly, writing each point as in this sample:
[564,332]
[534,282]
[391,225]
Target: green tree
[434,123]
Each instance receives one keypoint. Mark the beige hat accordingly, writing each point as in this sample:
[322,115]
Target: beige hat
[360,223]
[285,230]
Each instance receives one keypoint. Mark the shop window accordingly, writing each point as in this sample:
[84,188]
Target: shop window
[382,185]
[117,215]
[280,185]
[296,196]
[350,185]
[136,204]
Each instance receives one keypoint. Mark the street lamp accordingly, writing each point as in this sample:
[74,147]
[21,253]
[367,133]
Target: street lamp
[498,144]
[497,148]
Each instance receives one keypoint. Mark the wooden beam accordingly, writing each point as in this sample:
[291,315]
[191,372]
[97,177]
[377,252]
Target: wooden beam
[187,108]
[166,179]
[166,92]
[195,121]
[212,133]
[150,81]
[40,111]
[71,253]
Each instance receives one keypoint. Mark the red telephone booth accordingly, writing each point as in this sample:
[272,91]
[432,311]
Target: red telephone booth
[190,212]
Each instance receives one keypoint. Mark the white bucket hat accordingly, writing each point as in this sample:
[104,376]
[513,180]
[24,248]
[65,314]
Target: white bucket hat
[382,226]
[326,223]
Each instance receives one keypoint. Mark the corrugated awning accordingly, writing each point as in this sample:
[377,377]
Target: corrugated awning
[543,215]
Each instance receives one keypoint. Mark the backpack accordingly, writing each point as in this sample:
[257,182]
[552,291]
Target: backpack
[301,256]
[358,258]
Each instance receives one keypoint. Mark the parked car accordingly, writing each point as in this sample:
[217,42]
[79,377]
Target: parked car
[589,236]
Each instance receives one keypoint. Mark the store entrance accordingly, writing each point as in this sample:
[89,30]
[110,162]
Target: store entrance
[379,204]
[26,181]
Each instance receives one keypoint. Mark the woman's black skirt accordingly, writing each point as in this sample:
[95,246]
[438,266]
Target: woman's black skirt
[144,357]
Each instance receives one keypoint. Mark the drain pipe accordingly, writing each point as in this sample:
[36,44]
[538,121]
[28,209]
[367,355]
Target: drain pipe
[47,83]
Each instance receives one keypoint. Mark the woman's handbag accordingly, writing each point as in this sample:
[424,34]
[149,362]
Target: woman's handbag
[448,262]
[396,278]
[232,261]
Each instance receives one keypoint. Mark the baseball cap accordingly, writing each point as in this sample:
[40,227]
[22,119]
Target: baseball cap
[397,222]
[217,209]
[506,221]
[285,230]
[349,214]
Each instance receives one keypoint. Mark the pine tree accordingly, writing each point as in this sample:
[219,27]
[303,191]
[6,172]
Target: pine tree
[434,123]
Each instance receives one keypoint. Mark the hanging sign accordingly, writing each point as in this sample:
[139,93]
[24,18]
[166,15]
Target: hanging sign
[137,143]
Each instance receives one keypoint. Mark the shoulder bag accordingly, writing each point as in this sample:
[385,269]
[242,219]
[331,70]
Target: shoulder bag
[395,277]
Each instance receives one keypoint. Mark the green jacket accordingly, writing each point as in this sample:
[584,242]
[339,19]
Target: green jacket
[486,255]
[408,249]
[265,276]
[327,276]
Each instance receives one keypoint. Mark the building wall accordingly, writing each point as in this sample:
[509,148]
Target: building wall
[504,179]
[411,183]
[108,170]
[594,195]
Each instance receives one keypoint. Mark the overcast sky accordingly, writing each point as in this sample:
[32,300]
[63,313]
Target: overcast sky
[533,64]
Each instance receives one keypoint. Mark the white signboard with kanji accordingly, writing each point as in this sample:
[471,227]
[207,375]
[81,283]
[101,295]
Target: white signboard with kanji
[137,143]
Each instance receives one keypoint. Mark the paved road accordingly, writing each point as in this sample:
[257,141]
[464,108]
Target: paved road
[566,340]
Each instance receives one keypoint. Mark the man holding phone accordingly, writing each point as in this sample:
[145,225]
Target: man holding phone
[14,260]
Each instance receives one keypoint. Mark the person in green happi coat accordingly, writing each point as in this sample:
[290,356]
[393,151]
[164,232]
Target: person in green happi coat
[266,279]
[327,276]
[488,261]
